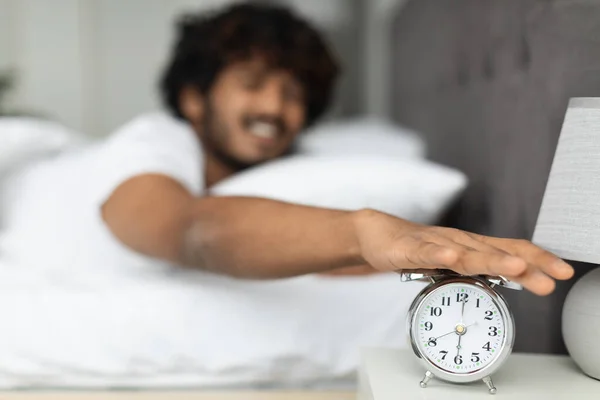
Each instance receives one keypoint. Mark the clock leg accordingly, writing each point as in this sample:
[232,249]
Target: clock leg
[490,384]
[427,378]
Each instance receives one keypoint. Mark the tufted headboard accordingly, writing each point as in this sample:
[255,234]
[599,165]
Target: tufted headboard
[487,83]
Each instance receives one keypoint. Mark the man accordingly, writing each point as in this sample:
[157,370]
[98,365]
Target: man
[241,84]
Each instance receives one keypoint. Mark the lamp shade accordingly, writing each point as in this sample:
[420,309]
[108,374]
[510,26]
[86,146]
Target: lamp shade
[569,220]
[569,226]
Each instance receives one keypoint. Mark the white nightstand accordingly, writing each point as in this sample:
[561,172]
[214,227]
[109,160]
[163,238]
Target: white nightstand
[392,374]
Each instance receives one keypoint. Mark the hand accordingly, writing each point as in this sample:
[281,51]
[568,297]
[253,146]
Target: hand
[392,244]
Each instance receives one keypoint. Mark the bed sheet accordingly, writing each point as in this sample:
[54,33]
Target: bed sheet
[192,329]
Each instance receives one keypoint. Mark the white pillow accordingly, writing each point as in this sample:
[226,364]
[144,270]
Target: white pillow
[362,136]
[409,188]
[24,139]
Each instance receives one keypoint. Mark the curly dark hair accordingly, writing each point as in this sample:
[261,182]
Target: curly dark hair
[207,43]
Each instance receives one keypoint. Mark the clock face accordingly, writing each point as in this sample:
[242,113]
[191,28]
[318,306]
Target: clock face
[459,328]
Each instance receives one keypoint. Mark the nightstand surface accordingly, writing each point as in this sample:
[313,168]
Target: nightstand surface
[393,374]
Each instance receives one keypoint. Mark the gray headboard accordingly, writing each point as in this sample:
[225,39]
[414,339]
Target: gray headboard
[487,83]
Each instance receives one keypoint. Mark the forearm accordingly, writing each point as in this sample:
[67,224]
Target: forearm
[259,238]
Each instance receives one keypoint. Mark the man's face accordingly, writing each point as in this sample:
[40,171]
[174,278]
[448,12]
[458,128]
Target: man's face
[252,114]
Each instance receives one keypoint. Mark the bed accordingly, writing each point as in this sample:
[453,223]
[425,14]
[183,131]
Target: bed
[78,315]
[487,84]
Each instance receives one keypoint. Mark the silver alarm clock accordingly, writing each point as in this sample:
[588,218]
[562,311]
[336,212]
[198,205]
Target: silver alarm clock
[460,327]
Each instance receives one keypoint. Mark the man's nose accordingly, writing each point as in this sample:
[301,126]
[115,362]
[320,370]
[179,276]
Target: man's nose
[271,100]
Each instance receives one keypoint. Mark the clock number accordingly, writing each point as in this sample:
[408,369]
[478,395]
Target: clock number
[432,342]
[445,353]
[461,296]
[458,360]
[436,311]
[487,346]
[445,301]
[474,357]
[428,326]
[488,315]
[477,303]
[493,331]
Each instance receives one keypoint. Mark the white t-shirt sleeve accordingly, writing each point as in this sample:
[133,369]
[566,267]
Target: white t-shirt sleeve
[151,144]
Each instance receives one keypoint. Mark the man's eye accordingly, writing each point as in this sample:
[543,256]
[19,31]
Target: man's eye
[293,94]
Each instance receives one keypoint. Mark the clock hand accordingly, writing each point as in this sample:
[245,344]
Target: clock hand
[454,331]
[462,311]
[471,324]
[445,334]
[458,347]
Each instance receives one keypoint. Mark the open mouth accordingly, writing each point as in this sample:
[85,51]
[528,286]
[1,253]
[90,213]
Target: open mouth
[264,130]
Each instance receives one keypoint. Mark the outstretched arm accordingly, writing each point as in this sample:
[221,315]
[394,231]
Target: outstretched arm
[260,238]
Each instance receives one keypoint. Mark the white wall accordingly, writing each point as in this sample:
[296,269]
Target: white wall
[94,64]
[6,42]
[89,64]
[48,58]
[7,48]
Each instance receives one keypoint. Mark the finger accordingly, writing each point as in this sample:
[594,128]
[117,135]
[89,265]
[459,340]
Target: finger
[473,240]
[547,262]
[535,279]
[438,251]
[446,253]
[514,267]
[536,282]
[428,255]
[475,262]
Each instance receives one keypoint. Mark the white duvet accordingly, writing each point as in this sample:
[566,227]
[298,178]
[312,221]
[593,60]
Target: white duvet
[79,329]
[193,330]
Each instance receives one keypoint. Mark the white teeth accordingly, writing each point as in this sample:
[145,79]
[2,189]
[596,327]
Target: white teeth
[263,130]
